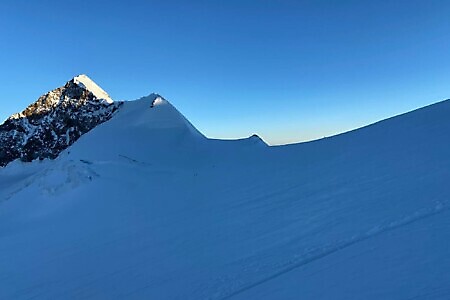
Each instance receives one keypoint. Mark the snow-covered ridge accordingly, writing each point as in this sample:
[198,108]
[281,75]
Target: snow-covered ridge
[145,127]
[85,82]
[60,117]
[143,206]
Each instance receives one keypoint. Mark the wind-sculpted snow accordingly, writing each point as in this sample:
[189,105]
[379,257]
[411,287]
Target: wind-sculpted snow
[145,207]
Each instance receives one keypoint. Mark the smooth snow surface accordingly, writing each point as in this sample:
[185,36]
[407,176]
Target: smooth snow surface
[87,83]
[145,207]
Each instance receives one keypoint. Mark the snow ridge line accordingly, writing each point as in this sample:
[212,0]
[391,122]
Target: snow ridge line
[377,230]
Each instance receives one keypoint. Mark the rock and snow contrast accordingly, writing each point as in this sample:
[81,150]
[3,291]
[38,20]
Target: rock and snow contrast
[55,121]
[85,82]
[144,206]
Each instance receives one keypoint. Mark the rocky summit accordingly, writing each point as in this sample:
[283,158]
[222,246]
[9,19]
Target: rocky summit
[55,121]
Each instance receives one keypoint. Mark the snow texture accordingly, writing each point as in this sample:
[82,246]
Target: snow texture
[145,207]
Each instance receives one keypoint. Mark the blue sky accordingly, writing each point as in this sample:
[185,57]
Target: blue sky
[287,70]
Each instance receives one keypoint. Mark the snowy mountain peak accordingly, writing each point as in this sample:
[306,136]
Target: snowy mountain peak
[158,101]
[257,139]
[155,112]
[55,121]
[143,129]
[85,82]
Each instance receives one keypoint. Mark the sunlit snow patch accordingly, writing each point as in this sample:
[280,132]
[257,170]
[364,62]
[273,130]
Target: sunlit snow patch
[84,81]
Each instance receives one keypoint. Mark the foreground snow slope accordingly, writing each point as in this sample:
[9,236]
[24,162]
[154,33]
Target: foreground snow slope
[145,207]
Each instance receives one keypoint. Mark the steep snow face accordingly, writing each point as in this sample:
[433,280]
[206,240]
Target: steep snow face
[85,82]
[55,121]
[142,129]
[145,207]
[154,112]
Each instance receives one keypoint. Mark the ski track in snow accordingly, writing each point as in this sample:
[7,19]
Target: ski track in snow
[323,252]
[153,208]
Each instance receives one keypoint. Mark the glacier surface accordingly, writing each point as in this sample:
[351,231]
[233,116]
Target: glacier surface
[146,207]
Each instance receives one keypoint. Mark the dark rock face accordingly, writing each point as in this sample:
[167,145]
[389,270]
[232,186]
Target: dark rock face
[53,123]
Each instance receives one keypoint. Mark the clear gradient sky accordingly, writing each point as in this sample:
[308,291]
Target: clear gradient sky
[287,70]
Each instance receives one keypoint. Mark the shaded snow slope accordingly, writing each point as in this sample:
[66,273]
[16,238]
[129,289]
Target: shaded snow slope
[145,207]
[146,129]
